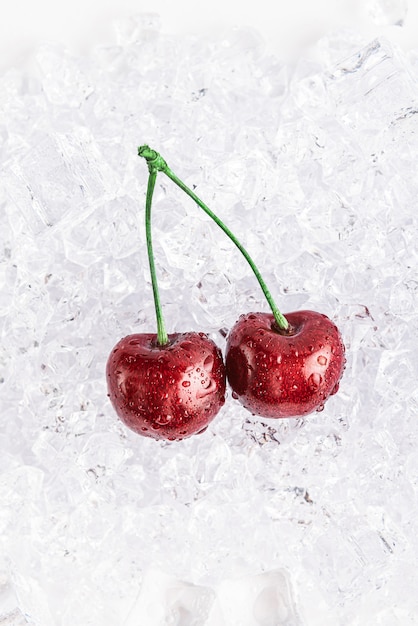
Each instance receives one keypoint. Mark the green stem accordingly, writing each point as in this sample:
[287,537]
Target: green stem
[155,161]
[162,337]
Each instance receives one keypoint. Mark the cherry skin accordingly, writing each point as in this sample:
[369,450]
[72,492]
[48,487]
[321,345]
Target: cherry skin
[166,392]
[276,373]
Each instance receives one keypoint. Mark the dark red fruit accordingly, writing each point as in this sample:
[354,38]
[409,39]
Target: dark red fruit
[166,392]
[276,373]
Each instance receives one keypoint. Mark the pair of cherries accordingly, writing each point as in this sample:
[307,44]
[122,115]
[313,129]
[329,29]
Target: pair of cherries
[171,386]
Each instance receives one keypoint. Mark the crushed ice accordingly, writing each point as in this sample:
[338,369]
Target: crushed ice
[314,168]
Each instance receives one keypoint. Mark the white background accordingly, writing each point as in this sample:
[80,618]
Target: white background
[288,26]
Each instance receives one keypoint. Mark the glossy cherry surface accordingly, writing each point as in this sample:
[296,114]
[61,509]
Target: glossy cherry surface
[166,392]
[277,374]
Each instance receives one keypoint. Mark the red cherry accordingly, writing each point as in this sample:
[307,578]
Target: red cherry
[276,373]
[166,392]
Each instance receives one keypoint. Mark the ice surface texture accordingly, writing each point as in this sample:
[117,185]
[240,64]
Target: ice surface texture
[314,167]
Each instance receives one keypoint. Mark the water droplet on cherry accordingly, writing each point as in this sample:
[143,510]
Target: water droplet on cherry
[322,360]
[163,420]
[186,383]
[208,363]
[315,381]
[335,389]
[208,388]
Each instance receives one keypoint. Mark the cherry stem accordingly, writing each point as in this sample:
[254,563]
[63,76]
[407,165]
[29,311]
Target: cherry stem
[162,337]
[156,162]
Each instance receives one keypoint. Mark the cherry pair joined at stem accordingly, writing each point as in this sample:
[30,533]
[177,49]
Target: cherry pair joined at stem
[170,386]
